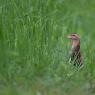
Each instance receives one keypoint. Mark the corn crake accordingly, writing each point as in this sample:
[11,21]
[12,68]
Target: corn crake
[75,54]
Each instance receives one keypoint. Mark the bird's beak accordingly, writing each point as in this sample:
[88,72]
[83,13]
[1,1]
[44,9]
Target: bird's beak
[69,37]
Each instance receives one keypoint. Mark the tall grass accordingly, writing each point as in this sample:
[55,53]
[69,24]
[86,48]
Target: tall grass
[34,48]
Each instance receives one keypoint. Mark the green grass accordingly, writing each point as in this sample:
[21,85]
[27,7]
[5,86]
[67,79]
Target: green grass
[34,48]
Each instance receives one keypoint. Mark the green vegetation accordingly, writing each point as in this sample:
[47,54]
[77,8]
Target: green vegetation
[34,48]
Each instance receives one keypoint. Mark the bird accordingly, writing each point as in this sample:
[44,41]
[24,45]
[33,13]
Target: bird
[75,55]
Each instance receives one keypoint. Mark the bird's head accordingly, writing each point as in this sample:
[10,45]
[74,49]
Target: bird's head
[75,39]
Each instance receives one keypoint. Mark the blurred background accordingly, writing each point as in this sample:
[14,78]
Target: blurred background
[34,47]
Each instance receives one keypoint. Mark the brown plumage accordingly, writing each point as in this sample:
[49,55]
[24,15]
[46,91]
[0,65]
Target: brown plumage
[75,53]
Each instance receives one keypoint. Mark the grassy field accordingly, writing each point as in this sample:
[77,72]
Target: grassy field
[34,48]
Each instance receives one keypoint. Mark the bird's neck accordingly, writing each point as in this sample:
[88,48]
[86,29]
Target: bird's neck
[76,44]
